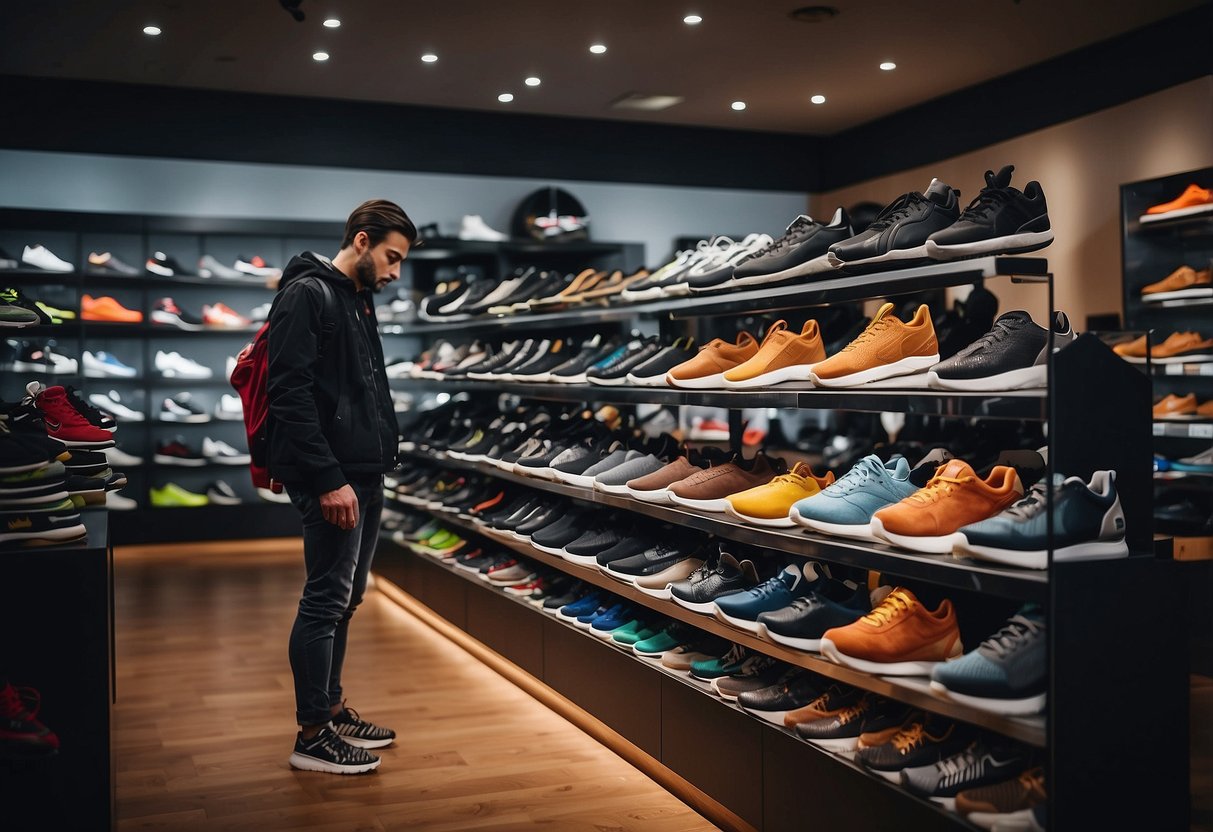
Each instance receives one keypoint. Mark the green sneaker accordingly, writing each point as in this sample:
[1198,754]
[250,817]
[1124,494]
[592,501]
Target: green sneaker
[726,665]
[675,635]
[439,539]
[15,316]
[633,632]
[56,315]
[174,496]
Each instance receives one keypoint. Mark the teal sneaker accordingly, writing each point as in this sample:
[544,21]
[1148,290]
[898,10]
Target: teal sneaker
[728,664]
[673,636]
[633,632]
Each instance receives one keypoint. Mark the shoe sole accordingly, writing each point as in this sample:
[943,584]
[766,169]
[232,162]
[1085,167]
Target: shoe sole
[716,506]
[810,645]
[1178,212]
[1010,707]
[835,744]
[818,265]
[1022,379]
[83,444]
[172,320]
[1178,294]
[857,532]
[658,495]
[1039,559]
[166,417]
[707,607]
[161,459]
[904,366]
[915,668]
[305,763]
[610,489]
[927,544]
[766,522]
[1009,244]
[773,717]
[712,382]
[648,381]
[54,370]
[916,253]
[739,623]
[55,535]
[797,372]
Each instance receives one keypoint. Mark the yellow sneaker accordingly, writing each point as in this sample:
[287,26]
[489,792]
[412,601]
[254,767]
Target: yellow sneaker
[174,496]
[886,349]
[784,356]
[770,504]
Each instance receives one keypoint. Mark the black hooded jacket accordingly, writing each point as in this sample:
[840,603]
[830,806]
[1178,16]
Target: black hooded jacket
[330,412]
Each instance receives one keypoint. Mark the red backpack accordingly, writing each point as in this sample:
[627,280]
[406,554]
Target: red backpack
[250,379]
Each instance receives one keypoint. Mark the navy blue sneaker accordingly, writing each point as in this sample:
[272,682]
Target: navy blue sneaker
[742,609]
[802,623]
[587,620]
[581,606]
[614,618]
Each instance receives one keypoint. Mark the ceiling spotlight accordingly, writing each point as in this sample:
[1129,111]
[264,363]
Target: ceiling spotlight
[429,57]
[506,97]
[151,30]
[888,65]
[332,23]
[320,56]
[818,99]
[738,105]
[598,49]
[532,81]
[692,19]
[292,8]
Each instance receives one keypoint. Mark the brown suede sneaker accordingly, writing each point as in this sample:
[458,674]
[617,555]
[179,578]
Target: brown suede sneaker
[709,490]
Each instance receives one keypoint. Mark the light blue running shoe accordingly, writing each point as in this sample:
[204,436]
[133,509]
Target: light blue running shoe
[846,506]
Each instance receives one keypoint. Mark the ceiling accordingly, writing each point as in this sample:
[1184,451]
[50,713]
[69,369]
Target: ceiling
[749,51]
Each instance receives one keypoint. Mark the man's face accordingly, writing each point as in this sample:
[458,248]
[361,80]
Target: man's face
[377,266]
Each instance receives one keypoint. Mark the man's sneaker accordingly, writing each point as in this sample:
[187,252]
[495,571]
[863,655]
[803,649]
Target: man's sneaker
[1001,220]
[104,262]
[166,311]
[161,265]
[101,364]
[40,525]
[716,271]
[922,741]
[330,753]
[1014,355]
[222,453]
[772,703]
[887,348]
[175,365]
[651,371]
[64,420]
[785,355]
[256,266]
[38,358]
[119,458]
[229,408]
[106,308]
[900,637]
[1007,673]
[15,316]
[181,408]
[208,266]
[800,252]
[222,494]
[222,316]
[112,404]
[176,452]
[741,609]
[1088,524]
[40,257]
[358,732]
[900,231]
[983,763]
[719,576]
[22,735]
[802,623]
[986,806]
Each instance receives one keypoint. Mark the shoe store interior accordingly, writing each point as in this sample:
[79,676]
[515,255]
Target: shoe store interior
[803,415]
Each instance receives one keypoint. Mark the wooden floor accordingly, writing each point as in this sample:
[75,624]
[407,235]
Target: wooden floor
[204,719]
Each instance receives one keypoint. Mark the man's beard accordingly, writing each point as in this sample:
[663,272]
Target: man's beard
[364,270]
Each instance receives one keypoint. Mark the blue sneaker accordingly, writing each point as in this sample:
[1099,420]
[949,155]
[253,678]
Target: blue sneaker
[846,506]
[614,618]
[102,364]
[1007,673]
[587,620]
[743,608]
[1088,524]
[580,607]
[802,623]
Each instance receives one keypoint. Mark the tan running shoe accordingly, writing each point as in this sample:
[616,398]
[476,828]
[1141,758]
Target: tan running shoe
[708,490]
[706,370]
[1184,282]
[888,348]
[985,804]
[583,281]
[900,637]
[1134,351]
[1205,411]
[1182,347]
[1176,407]
[834,701]
[784,356]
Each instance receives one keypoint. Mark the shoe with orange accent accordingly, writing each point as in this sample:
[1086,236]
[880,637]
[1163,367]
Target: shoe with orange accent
[1176,407]
[769,505]
[223,316]
[1184,282]
[1194,200]
[900,637]
[1134,351]
[783,356]
[955,497]
[888,348]
[834,701]
[107,309]
[706,370]
[1182,347]
[1205,411]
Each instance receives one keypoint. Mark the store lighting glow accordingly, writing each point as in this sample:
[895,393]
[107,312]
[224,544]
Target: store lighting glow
[532,81]
[888,66]
[692,19]
[320,56]
[332,23]
[598,49]
[818,99]
[738,105]
[151,30]
[429,57]
[506,97]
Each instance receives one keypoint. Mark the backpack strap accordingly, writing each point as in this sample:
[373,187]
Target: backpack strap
[328,314]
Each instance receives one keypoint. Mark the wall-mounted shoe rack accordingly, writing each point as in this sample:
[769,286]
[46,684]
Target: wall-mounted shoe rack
[1103,653]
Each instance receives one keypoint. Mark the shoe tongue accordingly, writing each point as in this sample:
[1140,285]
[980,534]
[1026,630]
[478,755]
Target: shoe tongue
[1002,179]
[1017,316]
[882,312]
[801,469]
[938,191]
[956,468]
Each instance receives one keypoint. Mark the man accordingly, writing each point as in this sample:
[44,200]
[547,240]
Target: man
[332,435]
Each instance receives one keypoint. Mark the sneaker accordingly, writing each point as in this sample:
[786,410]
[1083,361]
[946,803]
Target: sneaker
[756,672]
[887,348]
[709,490]
[769,505]
[983,763]
[172,495]
[1182,347]
[1007,673]
[261,312]
[800,252]
[102,364]
[716,272]
[719,576]
[358,732]
[161,265]
[112,404]
[674,635]
[64,420]
[840,732]
[803,622]
[119,458]
[116,502]
[900,231]
[785,355]
[224,317]
[256,267]
[652,370]
[713,668]
[222,453]
[208,266]
[22,735]
[833,700]
[473,227]
[1201,463]
[614,370]
[773,703]
[706,370]
[1001,220]
[103,262]
[741,609]
[181,408]
[1184,282]
[14,316]
[1014,355]
[1194,200]
[331,754]
[985,806]
[176,452]
[229,408]
[42,524]
[166,311]
[1088,524]
[955,497]
[34,358]
[40,257]
[900,637]
[924,740]
[107,309]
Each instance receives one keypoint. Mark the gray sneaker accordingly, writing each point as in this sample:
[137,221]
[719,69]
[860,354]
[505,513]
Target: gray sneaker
[208,266]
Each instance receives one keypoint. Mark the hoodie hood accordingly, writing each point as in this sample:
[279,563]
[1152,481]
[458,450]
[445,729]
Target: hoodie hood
[314,264]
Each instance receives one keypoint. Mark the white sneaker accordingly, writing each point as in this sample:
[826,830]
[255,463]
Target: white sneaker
[102,364]
[475,228]
[112,404]
[256,267]
[401,369]
[45,360]
[181,408]
[229,408]
[260,313]
[224,454]
[174,365]
[271,497]
[208,266]
[116,502]
[222,494]
[119,458]
[229,366]
[41,258]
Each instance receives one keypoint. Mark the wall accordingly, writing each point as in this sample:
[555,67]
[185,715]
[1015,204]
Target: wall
[1080,164]
[650,214]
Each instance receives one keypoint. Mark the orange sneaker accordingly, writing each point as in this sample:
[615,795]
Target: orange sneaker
[769,504]
[1134,351]
[107,309]
[900,637]
[1181,347]
[1184,282]
[783,356]
[706,370]
[1205,411]
[1193,200]
[1176,407]
[926,520]
[222,315]
[886,349]
[834,701]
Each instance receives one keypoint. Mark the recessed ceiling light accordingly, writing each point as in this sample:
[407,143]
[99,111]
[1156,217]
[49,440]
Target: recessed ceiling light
[598,49]
[692,19]
[429,57]
[332,23]
[532,81]
[320,56]
[151,30]
[738,105]
[506,97]
[818,99]
[888,65]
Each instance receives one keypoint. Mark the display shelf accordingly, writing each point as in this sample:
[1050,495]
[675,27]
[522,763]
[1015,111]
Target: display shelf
[1184,428]
[910,690]
[85,280]
[1017,404]
[159,382]
[1193,368]
[942,570]
[38,277]
[1200,222]
[1178,303]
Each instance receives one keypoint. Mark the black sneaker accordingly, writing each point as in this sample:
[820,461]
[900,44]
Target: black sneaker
[176,452]
[161,265]
[615,371]
[553,537]
[358,732]
[448,294]
[981,764]
[92,415]
[716,578]
[651,372]
[1001,220]
[539,368]
[920,742]
[41,524]
[331,754]
[574,370]
[800,252]
[901,230]
[166,311]
[1014,355]
[771,703]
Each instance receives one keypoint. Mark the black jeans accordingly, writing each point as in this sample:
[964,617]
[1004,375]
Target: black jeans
[338,562]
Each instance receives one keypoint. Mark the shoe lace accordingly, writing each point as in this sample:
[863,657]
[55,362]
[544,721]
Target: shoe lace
[895,604]
[873,329]
[939,486]
[985,204]
[1001,329]
[909,737]
[901,208]
[854,712]
[736,654]
[1014,633]
[857,478]
[800,228]
[88,411]
[770,587]
[957,764]
[341,750]
[1032,504]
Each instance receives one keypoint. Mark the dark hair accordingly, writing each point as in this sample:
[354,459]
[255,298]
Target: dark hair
[378,217]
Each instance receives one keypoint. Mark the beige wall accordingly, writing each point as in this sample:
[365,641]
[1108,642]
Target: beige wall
[1080,164]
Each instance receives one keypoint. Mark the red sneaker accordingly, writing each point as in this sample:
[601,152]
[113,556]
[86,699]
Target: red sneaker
[64,423]
[22,736]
